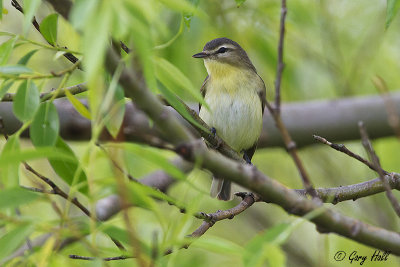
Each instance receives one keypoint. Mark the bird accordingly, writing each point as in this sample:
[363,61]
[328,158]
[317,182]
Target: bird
[235,95]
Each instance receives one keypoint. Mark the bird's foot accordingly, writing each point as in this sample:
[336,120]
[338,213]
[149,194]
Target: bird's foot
[213,131]
[247,158]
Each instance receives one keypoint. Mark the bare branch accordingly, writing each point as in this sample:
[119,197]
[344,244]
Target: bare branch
[77,257]
[276,110]
[355,191]
[342,148]
[248,199]
[280,65]
[337,123]
[375,160]
[74,90]
[272,191]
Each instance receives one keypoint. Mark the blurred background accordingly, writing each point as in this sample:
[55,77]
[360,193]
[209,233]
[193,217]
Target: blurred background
[333,49]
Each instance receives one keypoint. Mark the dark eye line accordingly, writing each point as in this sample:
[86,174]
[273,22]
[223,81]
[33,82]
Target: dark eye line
[222,50]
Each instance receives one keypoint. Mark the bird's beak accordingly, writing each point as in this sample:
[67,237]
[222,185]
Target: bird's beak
[200,55]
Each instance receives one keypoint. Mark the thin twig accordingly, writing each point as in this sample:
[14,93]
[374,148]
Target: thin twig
[375,160]
[281,64]
[248,199]
[74,90]
[124,47]
[342,148]
[78,257]
[73,59]
[353,192]
[58,191]
[38,190]
[276,109]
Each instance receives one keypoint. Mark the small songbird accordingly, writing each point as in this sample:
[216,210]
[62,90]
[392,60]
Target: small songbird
[235,94]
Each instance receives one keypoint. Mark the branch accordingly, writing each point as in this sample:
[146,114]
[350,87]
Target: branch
[248,199]
[77,257]
[272,191]
[337,123]
[342,148]
[375,160]
[57,190]
[276,111]
[66,5]
[355,191]
[74,90]
[280,65]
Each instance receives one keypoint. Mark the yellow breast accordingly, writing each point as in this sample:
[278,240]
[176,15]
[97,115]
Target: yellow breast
[235,107]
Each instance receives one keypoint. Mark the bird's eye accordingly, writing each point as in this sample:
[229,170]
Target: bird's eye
[222,50]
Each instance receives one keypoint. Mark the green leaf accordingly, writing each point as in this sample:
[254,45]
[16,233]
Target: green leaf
[154,156]
[16,196]
[45,125]
[1,9]
[115,115]
[14,69]
[123,236]
[48,28]
[139,198]
[30,8]
[117,233]
[392,7]
[78,105]
[6,49]
[96,42]
[176,81]
[179,107]
[270,255]
[218,245]
[80,12]
[10,172]
[143,42]
[239,2]
[67,169]
[256,250]
[26,101]
[11,240]
[187,16]
[24,60]
[31,154]
[5,86]
[180,5]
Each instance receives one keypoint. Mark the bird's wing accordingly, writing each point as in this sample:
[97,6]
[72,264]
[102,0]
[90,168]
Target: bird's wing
[262,94]
[203,89]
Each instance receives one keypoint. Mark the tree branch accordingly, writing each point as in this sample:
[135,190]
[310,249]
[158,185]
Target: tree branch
[337,123]
[273,192]
[74,90]
[342,148]
[77,257]
[276,111]
[375,161]
[355,191]
[67,5]
[281,64]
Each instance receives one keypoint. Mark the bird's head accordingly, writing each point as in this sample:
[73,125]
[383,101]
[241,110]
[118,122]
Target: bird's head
[223,53]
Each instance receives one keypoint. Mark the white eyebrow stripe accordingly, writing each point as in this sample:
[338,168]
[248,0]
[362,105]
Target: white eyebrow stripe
[229,46]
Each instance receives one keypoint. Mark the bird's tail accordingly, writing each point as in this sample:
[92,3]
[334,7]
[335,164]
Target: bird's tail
[221,189]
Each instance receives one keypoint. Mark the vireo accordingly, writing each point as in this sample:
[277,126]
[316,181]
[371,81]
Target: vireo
[235,94]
